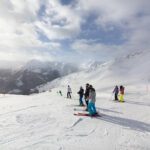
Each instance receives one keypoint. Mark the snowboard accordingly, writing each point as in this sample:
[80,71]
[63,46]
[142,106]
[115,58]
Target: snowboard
[83,114]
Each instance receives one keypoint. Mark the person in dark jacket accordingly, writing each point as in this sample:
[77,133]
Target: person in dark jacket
[116,91]
[86,94]
[81,93]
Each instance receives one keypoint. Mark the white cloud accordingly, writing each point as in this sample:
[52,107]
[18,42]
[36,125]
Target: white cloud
[114,11]
[93,49]
[18,36]
[20,21]
[132,17]
[60,21]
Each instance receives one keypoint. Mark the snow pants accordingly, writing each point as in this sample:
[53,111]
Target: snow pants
[116,96]
[87,100]
[68,94]
[121,98]
[91,108]
[80,100]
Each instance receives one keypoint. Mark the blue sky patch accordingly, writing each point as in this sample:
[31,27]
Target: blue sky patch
[111,35]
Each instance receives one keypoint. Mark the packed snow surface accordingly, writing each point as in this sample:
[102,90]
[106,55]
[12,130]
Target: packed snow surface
[46,122]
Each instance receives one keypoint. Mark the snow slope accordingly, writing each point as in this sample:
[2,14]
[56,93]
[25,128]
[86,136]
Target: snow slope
[46,122]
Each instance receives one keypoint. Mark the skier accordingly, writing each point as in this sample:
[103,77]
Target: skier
[69,92]
[116,91]
[60,93]
[81,93]
[121,93]
[86,95]
[91,105]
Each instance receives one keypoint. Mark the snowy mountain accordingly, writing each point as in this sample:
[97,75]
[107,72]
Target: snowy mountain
[126,70]
[24,79]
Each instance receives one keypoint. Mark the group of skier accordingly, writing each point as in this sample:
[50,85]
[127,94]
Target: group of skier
[116,91]
[90,98]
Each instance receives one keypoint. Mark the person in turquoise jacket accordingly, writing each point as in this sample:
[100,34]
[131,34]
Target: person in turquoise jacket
[92,99]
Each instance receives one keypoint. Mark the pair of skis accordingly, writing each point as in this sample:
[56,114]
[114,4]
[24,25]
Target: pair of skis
[118,101]
[85,114]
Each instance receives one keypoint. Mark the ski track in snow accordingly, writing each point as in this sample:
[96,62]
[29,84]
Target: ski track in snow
[76,122]
[23,109]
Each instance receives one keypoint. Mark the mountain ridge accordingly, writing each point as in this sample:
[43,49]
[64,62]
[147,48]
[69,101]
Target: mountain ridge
[32,74]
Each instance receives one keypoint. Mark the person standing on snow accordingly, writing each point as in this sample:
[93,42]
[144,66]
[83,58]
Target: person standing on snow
[60,93]
[81,93]
[92,99]
[86,95]
[69,91]
[121,93]
[116,91]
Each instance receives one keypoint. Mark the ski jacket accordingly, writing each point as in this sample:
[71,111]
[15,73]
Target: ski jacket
[69,90]
[116,90]
[87,92]
[92,96]
[81,92]
[122,90]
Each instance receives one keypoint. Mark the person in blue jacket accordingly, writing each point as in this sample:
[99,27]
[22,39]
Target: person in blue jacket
[116,91]
[81,93]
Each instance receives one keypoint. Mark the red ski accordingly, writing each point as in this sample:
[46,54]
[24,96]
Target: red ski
[83,114]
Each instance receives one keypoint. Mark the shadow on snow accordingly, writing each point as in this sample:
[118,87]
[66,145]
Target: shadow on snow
[129,123]
[108,110]
[138,103]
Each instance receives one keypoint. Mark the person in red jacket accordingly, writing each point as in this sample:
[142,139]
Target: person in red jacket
[121,93]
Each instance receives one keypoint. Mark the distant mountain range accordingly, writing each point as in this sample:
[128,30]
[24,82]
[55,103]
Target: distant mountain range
[24,79]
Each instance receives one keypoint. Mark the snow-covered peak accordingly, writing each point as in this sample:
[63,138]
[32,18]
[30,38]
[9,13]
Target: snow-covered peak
[91,65]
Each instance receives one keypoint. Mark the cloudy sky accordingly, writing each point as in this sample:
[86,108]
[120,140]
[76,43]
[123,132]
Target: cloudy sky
[73,30]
